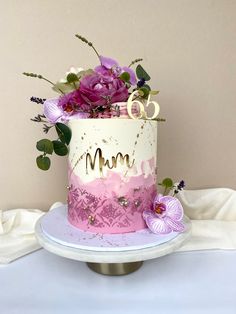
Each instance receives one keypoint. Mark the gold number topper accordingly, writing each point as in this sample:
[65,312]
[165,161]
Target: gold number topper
[142,112]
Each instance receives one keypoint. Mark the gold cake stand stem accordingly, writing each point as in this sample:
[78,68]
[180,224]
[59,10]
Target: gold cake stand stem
[115,269]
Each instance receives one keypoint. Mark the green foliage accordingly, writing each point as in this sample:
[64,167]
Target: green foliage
[125,76]
[60,148]
[141,73]
[72,77]
[154,92]
[43,162]
[167,184]
[64,133]
[147,87]
[63,87]
[45,146]
[143,92]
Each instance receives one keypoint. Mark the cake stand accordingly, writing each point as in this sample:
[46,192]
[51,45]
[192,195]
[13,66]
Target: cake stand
[108,254]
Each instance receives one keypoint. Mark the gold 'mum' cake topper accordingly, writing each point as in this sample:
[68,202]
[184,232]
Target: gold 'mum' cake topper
[102,162]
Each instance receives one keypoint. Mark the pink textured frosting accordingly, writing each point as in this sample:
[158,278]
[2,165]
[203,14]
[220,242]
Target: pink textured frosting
[115,205]
[123,113]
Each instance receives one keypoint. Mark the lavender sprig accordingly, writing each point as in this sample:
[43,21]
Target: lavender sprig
[83,39]
[141,82]
[39,118]
[46,128]
[135,61]
[179,187]
[37,100]
[169,186]
[39,76]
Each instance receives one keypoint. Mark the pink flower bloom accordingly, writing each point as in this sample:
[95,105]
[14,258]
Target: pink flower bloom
[65,108]
[165,216]
[99,90]
[111,67]
[73,103]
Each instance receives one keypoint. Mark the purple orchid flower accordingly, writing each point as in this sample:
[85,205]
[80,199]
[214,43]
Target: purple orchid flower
[55,113]
[52,111]
[109,66]
[165,216]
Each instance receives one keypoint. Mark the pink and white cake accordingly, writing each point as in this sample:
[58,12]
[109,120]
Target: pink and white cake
[106,120]
[112,173]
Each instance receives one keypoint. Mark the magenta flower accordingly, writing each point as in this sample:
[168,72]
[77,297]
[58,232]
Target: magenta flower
[165,216]
[73,103]
[110,67]
[99,90]
[64,108]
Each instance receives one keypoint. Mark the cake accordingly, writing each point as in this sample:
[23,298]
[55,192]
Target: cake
[112,173]
[106,121]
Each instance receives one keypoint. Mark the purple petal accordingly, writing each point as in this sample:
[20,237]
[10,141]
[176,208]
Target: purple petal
[108,62]
[155,224]
[148,213]
[51,110]
[102,70]
[133,79]
[174,209]
[176,226]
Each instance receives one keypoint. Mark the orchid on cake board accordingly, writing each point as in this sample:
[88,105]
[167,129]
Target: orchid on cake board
[106,123]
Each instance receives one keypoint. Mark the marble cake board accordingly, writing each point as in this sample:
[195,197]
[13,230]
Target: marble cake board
[105,254]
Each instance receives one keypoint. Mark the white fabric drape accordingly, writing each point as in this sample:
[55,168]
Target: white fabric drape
[17,236]
[217,204]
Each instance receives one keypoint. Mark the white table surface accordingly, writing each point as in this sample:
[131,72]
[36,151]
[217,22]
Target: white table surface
[184,282]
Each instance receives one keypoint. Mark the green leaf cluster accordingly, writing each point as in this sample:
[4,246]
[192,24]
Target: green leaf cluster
[59,146]
[141,73]
[72,77]
[167,184]
[71,82]
[125,76]
[145,90]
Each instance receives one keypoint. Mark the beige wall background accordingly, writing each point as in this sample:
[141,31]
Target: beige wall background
[189,49]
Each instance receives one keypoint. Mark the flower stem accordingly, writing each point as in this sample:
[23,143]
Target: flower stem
[135,61]
[83,39]
[96,52]
[164,193]
[39,76]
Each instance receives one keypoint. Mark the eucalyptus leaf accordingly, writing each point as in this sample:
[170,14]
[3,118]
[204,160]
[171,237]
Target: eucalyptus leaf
[154,92]
[63,87]
[64,133]
[72,77]
[167,183]
[141,73]
[125,76]
[60,148]
[45,146]
[43,162]
[147,87]
[145,92]
[141,93]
